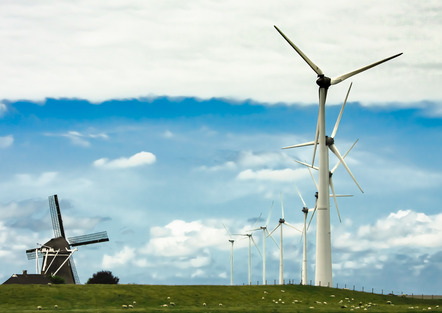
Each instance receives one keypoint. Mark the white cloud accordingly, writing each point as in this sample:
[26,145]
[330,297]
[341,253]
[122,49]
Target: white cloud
[43,179]
[403,229]
[283,175]
[3,109]
[180,238]
[122,258]
[168,134]
[230,165]
[80,139]
[249,159]
[98,51]
[6,141]
[138,159]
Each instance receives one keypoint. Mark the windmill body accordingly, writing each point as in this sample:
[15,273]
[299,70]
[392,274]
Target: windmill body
[323,235]
[57,253]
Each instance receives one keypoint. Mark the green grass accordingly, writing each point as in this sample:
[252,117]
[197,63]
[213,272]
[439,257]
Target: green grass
[150,298]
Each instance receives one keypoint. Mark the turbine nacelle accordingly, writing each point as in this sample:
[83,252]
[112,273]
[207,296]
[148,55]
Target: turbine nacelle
[329,141]
[323,81]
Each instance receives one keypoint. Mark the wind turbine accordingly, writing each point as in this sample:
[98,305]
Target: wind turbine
[250,236]
[334,195]
[232,241]
[281,250]
[305,210]
[323,236]
[265,233]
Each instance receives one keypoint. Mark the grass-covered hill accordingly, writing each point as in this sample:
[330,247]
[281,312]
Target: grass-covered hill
[150,298]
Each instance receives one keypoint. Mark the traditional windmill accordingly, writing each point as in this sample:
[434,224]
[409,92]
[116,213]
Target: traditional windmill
[57,252]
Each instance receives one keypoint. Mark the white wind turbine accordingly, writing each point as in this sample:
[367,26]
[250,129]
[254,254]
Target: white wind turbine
[250,236]
[265,233]
[281,222]
[323,237]
[231,254]
[305,210]
[334,195]
[335,129]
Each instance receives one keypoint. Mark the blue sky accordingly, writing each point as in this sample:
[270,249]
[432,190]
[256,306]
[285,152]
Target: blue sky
[160,135]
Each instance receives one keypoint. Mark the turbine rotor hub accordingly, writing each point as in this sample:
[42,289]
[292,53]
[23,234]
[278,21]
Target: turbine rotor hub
[323,81]
[305,210]
[329,140]
[281,221]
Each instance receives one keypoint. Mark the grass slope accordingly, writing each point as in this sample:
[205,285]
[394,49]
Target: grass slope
[149,298]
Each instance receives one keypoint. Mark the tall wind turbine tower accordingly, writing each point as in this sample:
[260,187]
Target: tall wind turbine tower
[265,232]
[281,222]
[232,241]
[323,235]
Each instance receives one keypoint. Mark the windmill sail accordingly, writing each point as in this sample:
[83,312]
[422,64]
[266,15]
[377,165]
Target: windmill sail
[88,239]
[57,222]
[74,271]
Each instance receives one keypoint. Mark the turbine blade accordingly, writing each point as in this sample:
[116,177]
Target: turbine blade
[311,217]
[341,78]
[316,138]
[334,197]
[270,214]
[290,225]
[270,234]
[311,174]
[310,143]
[257,220]
[306,59]
[336,152]
[282,205]
[307,165]
[335,129]
[337,164]
[300,196]
[230,235]
[256,246]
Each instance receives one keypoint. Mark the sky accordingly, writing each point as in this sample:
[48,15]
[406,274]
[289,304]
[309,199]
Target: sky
[162,121]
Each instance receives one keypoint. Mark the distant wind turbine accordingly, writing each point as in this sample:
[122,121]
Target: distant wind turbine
[323,237]
[232,241]
[281,222]
[265,233]
[250,236]
[334,195]
[305,210]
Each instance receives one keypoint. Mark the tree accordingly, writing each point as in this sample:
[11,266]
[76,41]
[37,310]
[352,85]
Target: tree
[56,279]
[103,277]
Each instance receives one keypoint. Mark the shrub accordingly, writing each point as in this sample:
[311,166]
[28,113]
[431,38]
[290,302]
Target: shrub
[103,277]
[56,279]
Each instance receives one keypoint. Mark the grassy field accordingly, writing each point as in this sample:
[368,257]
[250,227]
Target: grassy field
[150,298]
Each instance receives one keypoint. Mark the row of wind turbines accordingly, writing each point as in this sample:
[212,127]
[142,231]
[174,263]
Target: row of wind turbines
[323,262]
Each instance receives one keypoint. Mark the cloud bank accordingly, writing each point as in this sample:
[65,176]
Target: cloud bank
[138,159]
